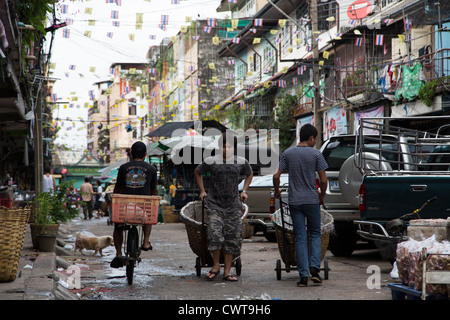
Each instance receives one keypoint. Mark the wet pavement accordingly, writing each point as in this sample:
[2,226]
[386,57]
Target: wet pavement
[168,272]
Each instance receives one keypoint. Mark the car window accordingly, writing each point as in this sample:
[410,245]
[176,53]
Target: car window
[340,149]
[335,154]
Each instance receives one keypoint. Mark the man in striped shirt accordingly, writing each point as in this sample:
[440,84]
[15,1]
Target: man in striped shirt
[302,162]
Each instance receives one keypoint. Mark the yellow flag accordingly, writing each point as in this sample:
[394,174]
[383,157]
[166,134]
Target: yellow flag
[188,19]
[321,63]
[92,69]
[298,41]
[234,23]
[139,20]
[183,29]
[88,11]
[87,33]
[256,40]
[212,65]
[326,54]
[131,36]
[282,22]
[402,38]
[217,107]
[284,70]
[132,71]
[91,22]
[215,40]
[274,31]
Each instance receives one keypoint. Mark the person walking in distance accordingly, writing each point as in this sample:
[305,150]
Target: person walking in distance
[49,184]
[223,203]
[302,162]
[87,195]
[135,177]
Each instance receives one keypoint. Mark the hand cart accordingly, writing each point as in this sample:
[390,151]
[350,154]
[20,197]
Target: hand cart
[286,239]
[194,217]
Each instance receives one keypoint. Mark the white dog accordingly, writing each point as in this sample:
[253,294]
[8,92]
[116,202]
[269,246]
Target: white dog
[83,241]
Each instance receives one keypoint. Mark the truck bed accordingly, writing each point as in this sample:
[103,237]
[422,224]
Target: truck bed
[388,197]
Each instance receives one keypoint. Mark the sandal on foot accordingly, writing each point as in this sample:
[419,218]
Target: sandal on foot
[212,274]
[230,278]
[148,248]
[117,262]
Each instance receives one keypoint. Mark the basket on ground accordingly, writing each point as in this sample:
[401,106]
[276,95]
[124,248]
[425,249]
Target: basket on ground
[191,215]
[134,209]
[286,238]
[13,224]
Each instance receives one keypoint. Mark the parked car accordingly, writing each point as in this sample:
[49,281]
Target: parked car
[344,180]
[262,204]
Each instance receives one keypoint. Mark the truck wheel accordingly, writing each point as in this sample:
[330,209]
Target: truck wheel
[342,241]
[271,236]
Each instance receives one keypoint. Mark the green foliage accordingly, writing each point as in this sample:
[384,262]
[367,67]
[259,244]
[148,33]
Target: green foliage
[284,121]
[426,93]
[53,207]
[33,12]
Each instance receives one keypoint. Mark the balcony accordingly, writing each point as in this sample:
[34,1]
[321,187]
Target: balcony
[360,82]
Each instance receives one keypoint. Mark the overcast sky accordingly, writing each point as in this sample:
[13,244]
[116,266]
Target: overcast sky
[75,56]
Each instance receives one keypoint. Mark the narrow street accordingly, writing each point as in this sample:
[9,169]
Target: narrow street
[168,272]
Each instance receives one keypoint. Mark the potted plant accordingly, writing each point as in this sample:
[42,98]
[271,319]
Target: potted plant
[51,209]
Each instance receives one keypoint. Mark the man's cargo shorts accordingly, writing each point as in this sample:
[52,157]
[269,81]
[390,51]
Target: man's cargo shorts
[225,231]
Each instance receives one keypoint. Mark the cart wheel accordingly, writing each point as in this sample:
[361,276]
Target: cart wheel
[198,266]
[325,268]
[278,269]
[238,266]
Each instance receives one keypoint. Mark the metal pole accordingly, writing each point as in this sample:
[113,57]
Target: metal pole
[316,73]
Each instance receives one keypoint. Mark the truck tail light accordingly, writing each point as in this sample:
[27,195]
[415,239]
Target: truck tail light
[362,198]
[272,205]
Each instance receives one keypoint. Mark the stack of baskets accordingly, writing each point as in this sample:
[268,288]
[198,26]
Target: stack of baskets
[13,224]
[327,226]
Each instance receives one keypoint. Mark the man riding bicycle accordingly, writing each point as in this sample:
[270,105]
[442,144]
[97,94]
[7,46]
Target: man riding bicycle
[135,177]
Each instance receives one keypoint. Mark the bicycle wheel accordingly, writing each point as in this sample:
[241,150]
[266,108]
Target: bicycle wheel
[132,252]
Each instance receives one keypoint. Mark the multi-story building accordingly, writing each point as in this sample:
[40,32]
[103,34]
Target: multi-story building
[188,80]
[119,116]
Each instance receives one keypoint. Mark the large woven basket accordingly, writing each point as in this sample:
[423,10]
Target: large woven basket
[191,214]
[327,226]
[13,224]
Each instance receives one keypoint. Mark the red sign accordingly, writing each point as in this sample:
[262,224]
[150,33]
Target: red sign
[64,171]
[359,9]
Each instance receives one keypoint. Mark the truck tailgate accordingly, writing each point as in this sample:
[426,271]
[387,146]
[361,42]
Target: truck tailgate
[259,200]
[389,197]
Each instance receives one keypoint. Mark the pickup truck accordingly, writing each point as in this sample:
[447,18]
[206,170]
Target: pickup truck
[394,192]
[344,179]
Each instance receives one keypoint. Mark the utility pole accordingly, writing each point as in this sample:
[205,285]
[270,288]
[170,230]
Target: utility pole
[316,73]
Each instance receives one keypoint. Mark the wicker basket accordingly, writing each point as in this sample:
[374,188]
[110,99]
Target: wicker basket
[13,224]
[327,226]
[133,209]
[191,214]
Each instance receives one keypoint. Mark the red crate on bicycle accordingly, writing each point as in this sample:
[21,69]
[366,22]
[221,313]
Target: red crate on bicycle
[133,209]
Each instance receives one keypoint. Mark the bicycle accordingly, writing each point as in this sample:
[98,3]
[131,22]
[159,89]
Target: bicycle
[133,211]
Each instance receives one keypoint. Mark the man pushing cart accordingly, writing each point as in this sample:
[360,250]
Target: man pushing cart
[223,203]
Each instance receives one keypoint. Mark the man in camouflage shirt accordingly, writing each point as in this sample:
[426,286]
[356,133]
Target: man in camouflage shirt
[223,203]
